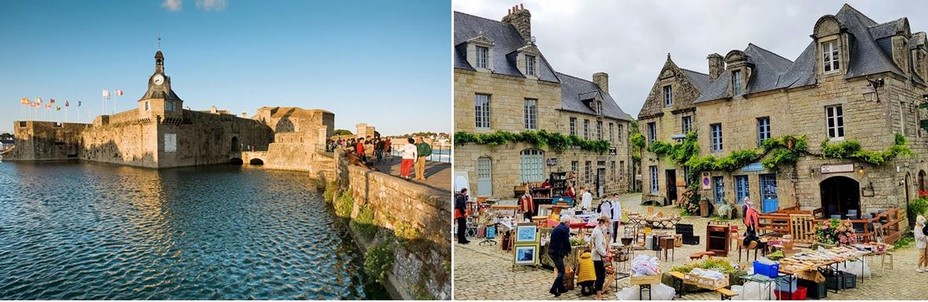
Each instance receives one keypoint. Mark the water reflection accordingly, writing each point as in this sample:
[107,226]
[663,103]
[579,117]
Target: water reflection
[88,231]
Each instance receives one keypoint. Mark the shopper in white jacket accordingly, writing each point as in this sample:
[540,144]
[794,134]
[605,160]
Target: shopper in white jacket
[409,157]
[921,243]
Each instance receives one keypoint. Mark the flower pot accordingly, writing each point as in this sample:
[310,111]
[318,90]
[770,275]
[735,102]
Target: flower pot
[703,208]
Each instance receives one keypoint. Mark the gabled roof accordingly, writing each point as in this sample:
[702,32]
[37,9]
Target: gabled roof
[772,71]
[700,80]
[576,90]
[506,41]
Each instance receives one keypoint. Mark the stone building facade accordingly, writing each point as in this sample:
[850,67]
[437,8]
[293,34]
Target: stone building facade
[857,80]
[159,133]
[502,82]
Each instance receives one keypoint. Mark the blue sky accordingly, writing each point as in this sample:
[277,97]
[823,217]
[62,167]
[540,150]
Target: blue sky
[380,62]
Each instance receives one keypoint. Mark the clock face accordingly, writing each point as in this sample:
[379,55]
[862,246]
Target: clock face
[158,79]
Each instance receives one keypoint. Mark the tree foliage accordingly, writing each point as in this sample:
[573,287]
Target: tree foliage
[541,138]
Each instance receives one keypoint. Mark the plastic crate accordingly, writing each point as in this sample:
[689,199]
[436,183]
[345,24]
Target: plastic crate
[783,285]
[848,280]
[834,281]
[771,271]
[799,294]
[814,290]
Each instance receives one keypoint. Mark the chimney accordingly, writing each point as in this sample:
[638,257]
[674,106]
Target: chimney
[521,19]
[602,80]
[716,66]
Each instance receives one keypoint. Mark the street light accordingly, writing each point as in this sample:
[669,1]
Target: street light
[870,92]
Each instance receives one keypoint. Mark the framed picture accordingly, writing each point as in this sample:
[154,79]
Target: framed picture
[526,233]
[526,254]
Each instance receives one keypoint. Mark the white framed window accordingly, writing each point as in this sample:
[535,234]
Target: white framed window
[652,132]
[687,123]
[575,167]
[831,56]
[763,130]
[741,188]
[483,57]
[611,133]
[716,137]
[612,170]
[599,130]
[530,65]
[573,126]
[532,165]
[736,83]
[531,114]
[834,118]
[619,136]
[586,129]
[719,187]
[146,106]
[653,172]
[482,110]
[621,169]
[588,172]
[668,96]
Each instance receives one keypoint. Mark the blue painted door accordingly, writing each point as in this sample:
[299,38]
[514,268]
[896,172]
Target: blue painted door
[768,193]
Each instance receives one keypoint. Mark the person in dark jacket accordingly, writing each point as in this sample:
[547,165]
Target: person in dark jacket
[558,249]
[460,204]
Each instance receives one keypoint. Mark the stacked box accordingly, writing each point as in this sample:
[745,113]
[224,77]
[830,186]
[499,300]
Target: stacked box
[815,291]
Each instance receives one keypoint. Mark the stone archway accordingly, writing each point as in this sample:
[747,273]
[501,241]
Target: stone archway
[840,194]
[256,162]
[921,180]
[235,144]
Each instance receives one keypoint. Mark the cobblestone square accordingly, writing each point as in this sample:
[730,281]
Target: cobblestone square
[484,272]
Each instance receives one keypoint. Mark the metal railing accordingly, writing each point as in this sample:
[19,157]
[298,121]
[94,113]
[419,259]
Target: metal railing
[439,154]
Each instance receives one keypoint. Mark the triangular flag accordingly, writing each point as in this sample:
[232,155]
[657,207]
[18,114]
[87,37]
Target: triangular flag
[66,104]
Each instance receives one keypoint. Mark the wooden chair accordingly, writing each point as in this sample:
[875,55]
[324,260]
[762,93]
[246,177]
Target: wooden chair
[802,228]
[878,234]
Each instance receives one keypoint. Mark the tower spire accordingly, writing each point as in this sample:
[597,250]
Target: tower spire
[159,41]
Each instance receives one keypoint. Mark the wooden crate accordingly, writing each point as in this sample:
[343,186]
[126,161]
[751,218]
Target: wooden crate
[704,282]
[638,280]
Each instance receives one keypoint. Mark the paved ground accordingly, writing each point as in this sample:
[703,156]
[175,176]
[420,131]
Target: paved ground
[483,273]
[437,175]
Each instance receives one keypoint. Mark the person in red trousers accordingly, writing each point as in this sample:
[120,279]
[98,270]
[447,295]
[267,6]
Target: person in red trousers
[410,154]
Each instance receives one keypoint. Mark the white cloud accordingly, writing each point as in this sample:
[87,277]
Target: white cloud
[630,39]
[212,5]
[173,5]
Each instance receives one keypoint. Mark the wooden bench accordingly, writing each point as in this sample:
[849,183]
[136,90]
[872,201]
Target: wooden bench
[699,255]
[726,293]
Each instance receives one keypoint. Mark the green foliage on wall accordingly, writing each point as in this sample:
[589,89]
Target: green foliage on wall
[365,223]
[540,138]
[378,261]
[851,149]
[330,191]
[344,205]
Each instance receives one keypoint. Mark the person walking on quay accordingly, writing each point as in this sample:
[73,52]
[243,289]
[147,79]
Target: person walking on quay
[359,148]
[527,204]
[598,239]
[616,216]
[460,204]
[558,249]
[409,157]
[388,149]
[921,243]
[586,199]
[424,150]
[378,149]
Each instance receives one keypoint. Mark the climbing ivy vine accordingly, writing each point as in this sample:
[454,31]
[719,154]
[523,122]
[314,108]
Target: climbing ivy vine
[541,138]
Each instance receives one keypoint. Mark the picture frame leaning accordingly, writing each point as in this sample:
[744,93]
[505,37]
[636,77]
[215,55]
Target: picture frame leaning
[526,233]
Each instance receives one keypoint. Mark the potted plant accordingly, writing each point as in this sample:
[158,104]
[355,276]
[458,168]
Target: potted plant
[724,211]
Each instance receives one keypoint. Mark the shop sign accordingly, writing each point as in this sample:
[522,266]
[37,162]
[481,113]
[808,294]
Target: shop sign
[753,167]
[552,161]
[706,183]
[613,151]
[826,169]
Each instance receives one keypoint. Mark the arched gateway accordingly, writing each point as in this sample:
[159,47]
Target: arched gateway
[840,194]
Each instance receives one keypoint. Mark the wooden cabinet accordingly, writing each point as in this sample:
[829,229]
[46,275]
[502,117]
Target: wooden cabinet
[718,239]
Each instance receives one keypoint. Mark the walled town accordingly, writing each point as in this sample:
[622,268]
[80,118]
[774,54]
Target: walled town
[160,133]
[822,197]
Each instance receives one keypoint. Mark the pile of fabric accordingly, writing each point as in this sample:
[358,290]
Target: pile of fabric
[644,265]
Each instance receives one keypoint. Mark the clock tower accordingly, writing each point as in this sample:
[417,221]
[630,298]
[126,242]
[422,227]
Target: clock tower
[160,99]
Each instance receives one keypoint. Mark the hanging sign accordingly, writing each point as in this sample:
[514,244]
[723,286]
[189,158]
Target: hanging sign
[706,183]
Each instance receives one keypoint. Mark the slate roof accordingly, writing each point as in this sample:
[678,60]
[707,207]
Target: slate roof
[699,79]
[506,41]
[575,90]
[772,71]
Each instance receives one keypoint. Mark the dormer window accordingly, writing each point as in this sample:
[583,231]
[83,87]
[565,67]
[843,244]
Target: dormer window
[530,65]
[598,107]
[483,56]
[831,56]
[736,82]
[668,96]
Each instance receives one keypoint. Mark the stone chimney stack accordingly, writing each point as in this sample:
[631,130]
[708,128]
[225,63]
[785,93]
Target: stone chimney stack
[602,80]
[716,66]
[521,19]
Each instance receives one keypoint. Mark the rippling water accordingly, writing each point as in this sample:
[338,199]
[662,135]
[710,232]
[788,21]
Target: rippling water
[88,231]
